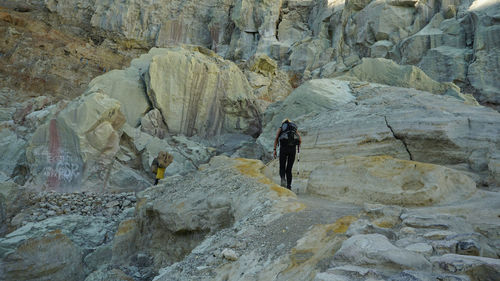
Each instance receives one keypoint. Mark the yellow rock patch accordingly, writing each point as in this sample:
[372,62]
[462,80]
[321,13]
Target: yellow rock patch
[384,224]
[342,224]
[320,242]
[125,227]
[253,168]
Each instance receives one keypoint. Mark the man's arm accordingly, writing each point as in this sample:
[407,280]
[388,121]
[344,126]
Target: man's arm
[276,141]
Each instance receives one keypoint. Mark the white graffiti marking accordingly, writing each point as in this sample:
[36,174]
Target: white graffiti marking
[65,167]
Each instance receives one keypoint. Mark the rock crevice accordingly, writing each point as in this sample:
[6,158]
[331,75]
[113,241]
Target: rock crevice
[398,137]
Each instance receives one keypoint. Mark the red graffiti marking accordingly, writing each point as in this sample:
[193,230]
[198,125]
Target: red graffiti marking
[54,146]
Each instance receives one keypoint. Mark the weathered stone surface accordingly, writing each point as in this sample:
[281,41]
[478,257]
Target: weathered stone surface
[314,96]
[446,64]
[52,256]
[77,145]
[387,72]
[483,70]
[127,87]
[12,199]
[152,123]
[108,275]
[380,49]
[184,210]
[375,249]
[12,149]
[269,83]
[208,97]
[402,123]
[477,268]
[389,181]
[188,154]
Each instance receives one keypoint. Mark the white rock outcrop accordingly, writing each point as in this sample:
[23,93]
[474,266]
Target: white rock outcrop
[389,181]
[199,93]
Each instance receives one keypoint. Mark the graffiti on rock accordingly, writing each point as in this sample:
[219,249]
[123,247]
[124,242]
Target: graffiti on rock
[62,168]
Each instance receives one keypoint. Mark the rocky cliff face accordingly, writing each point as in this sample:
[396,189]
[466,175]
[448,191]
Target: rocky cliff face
[454,41]
[396,102]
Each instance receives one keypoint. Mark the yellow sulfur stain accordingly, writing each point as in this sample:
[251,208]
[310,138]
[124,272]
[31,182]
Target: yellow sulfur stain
[384,224]
[342,224]
[318,244]
[253,168]
[125,227]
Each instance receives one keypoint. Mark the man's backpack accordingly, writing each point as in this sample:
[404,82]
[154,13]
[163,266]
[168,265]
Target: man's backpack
[288,135]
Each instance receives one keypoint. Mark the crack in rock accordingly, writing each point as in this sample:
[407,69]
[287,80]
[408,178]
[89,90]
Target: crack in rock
[398,137]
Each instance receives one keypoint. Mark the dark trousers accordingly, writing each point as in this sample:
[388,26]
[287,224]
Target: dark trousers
[287,157]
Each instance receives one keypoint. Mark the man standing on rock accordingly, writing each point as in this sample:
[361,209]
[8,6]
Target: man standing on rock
[160,163]
[288,138]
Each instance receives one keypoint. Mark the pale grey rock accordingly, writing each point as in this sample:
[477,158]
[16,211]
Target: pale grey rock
[12,149]
[6,113]
[380,49]
[230,254]
[438,234]
[421,248]
[12,199]
[188,154]
[398,122]
[446,64]
[384,71]
[313,96]
[477,268]
[388,180]
[107,274]
[125,179]
[49,256]
[349,272]
[310,54]
[422,276]
[443,222]
[365,227]
[152,123]
[77,146]
[98,258]
[375,249]
[379,21]
[212,96]
[85,233]
[127,87]
[483,70]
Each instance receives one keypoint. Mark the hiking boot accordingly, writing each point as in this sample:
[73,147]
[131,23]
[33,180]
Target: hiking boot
[283,182]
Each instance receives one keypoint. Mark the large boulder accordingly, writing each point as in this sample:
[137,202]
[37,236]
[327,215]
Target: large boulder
[389,181]
[375,249]
[77,145]
[199,93]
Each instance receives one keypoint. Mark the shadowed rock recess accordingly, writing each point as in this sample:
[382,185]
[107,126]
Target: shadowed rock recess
[397,104]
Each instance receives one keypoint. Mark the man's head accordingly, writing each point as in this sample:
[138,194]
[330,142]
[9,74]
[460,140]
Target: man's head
[286,120]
